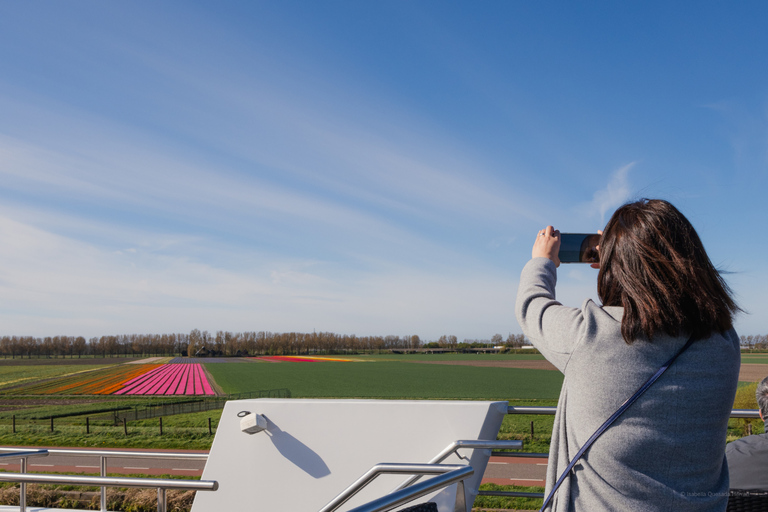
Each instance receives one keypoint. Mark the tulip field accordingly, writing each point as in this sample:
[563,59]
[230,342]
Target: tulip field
[125,379]
[385,376]
[169,379]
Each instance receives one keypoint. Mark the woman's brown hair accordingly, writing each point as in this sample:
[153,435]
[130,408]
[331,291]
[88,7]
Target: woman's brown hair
[653,264]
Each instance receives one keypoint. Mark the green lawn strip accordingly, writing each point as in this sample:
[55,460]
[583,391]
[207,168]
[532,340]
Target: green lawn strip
[499,502]
[754,358]
[190,420]
[75,407]
[444,357]
[181,432]
[111,437]
[388,379]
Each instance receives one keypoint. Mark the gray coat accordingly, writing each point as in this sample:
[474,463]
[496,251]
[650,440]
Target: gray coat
[666,453]
[748,462]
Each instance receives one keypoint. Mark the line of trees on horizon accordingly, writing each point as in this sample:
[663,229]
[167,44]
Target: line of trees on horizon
[751,341]
[225,343]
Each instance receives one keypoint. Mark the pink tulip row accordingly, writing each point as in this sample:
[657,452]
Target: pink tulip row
[169,379]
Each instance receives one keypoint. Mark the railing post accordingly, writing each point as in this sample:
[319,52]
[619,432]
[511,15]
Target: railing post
[23,487]
[461,499]
[103,472]
[160,499]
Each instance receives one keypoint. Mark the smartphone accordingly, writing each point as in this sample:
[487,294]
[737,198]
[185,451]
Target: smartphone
[579,248]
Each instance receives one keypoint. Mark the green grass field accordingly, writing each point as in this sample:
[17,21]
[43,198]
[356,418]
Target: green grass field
[754,358]
[448,357]
[388,379]
[184,431]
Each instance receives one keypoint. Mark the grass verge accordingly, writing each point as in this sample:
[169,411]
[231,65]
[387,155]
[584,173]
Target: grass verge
[181,432]
[500,502]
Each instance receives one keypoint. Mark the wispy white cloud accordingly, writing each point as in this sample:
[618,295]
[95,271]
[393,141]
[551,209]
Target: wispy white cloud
[358,145]
[51,284]
[358,260]
[616,192]
[361,190]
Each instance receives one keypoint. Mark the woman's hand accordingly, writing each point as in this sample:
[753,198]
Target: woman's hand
[547,245]
[597,265]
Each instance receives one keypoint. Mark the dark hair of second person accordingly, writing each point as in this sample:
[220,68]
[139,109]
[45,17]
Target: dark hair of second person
[653,264]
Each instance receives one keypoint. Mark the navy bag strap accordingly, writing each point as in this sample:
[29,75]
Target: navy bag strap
[642,389]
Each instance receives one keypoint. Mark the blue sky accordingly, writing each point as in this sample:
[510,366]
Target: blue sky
[366,168]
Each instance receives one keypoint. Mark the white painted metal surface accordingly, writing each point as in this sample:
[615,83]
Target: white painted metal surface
[312,450]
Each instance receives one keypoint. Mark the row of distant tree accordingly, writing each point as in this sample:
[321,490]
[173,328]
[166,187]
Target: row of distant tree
[224,343]
[758,341]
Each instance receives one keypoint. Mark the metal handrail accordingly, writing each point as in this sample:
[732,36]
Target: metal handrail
[416,491]
[103,455]
[530,455]
[397,469]
[745,413]
[161,484]
[111,481]
[456,445]
[120,454]
[524,409]
[24,455]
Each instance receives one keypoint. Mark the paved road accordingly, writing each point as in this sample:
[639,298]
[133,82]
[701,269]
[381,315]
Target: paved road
[500,470]
[64,463]
[526,471]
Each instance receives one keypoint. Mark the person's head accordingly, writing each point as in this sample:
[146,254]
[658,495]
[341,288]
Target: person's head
[653,264]
[761,393]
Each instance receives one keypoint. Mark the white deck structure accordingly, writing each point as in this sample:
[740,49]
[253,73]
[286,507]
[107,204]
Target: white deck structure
[312,450]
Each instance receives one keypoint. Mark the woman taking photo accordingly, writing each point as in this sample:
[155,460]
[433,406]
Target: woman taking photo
[658,290]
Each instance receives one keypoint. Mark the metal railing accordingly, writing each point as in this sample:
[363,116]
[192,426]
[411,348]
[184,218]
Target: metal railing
[448,474]
[514,409]
[161,484]
[473,445]
[524,409]
[103,481]
[419,470]
[24,455]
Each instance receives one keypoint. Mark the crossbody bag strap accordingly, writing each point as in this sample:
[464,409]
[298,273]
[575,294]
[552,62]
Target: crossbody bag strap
[642,389]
